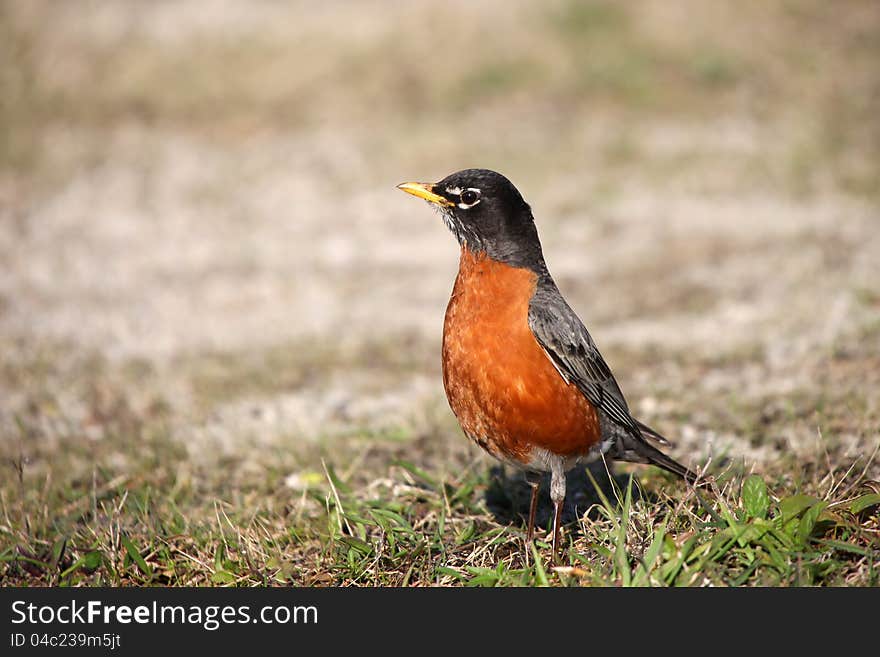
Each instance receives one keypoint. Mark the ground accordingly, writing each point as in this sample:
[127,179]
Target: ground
[220,322]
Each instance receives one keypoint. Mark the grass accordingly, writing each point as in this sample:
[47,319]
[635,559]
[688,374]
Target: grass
[102,485]
[412,527]
[808,74]
[129,504]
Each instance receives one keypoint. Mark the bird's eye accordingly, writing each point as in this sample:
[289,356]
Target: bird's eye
[469,198]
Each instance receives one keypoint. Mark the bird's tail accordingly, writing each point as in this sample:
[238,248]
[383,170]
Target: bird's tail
[656,457]
[638,450]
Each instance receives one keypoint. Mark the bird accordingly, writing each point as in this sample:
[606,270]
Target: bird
[522,374]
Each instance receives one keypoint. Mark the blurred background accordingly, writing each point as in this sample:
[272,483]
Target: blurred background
[210,282]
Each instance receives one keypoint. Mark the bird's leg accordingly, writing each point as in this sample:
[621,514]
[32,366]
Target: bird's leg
[557,514]
[534,480]
[557,494]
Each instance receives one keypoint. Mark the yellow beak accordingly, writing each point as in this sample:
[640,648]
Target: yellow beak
[425,191]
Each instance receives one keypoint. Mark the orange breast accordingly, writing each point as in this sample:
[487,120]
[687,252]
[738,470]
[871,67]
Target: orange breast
[501,385]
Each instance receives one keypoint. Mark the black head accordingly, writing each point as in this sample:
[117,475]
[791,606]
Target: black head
[486,213]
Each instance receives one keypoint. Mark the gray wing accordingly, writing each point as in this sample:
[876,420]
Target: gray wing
[572,351]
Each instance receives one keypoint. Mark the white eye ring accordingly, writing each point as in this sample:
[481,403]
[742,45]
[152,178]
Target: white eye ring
[469,198]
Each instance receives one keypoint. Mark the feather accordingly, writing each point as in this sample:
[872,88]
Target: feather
[569,346]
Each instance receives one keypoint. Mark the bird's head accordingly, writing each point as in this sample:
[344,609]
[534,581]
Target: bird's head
[486,213]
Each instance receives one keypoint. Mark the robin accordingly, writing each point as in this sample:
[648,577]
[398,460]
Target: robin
[522,374]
